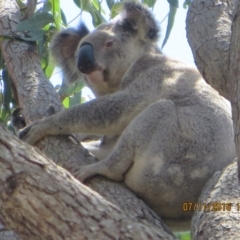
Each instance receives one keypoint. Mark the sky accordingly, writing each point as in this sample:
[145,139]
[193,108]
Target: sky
[176,47]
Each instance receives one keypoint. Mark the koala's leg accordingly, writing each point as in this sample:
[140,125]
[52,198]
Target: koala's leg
[115,165]
[95,149]
[135,140]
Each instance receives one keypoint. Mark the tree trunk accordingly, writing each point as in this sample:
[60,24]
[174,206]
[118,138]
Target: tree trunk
[36,95]
[221,194]
[213,30]
[209,32]
[40,200]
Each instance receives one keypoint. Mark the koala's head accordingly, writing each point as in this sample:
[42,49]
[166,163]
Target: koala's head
[105,54]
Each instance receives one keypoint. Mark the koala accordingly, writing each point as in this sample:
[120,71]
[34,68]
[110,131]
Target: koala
[164,130]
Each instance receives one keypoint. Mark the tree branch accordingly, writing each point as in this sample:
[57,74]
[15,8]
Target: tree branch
[221,221]
[209,31]
[40,200]
[234,79]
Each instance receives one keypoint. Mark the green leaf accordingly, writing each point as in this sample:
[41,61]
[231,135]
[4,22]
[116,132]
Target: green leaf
[75,99]
[56,11]
[174,3]
[41,47]
[36,23]
[78,3]
[2,63]
[47,7]
[149,3]
[96,5]
[96,16]
[68,89]
[4,37]
[43,63]
[64,19]
[116,9]
[21,5]
[110,4]
[36,35]
[183,235]
[7,94]
[66,102]
[49,69]
[94,8]
[171,19]
[187,3]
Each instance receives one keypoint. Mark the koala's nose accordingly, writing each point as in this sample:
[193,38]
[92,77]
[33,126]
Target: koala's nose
[85,58]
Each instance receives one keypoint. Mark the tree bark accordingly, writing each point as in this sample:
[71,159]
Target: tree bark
[234,79]
[41,200]
[213,30]
[36,95]
[220,222]
[208,26]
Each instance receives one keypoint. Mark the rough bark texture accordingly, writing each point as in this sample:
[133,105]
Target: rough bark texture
[223,188]
[41,200]
[234,79]
[36,95]
[209,33]
[213,32]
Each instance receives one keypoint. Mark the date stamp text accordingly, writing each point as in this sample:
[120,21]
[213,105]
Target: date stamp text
[212,206]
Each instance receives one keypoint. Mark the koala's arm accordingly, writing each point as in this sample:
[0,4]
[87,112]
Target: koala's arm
[108,114]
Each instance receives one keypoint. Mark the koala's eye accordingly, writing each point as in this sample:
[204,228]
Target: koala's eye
[109,43]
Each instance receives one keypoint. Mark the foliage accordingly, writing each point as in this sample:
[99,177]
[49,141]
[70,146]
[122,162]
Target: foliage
[183,235]
[38,31]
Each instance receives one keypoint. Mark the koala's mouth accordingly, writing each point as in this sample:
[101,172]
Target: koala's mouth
[95,77]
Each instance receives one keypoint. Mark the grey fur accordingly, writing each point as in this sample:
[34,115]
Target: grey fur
[175,130]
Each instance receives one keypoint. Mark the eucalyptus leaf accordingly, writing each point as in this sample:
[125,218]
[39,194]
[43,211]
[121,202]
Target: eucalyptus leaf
[149,3]
[66,102]
[49,69]
[96,5]
[7,94]
[75,99]
[36,35]
[116,9]
[64,19]
[35,23]
[24,38]
[21,5]
[174,3]
[43,63]
[187,3]
[110,4]
[78,3]
[97,17]
[2,64]
[183,235]
[42,46]
[3,37]
[47,6]
[56,11]
[171,19]
[66,89]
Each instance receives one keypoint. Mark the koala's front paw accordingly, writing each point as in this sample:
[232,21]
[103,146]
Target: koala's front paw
[85,172]
[31,134]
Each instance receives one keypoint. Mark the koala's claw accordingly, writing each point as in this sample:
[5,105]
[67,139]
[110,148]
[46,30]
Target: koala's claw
[85,172]
[24,132]
[31,134]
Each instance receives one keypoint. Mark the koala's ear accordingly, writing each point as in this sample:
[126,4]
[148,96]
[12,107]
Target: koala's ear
[138,19]
[63,47]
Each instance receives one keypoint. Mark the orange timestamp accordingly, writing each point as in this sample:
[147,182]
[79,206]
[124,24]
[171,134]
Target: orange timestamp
[211,206]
